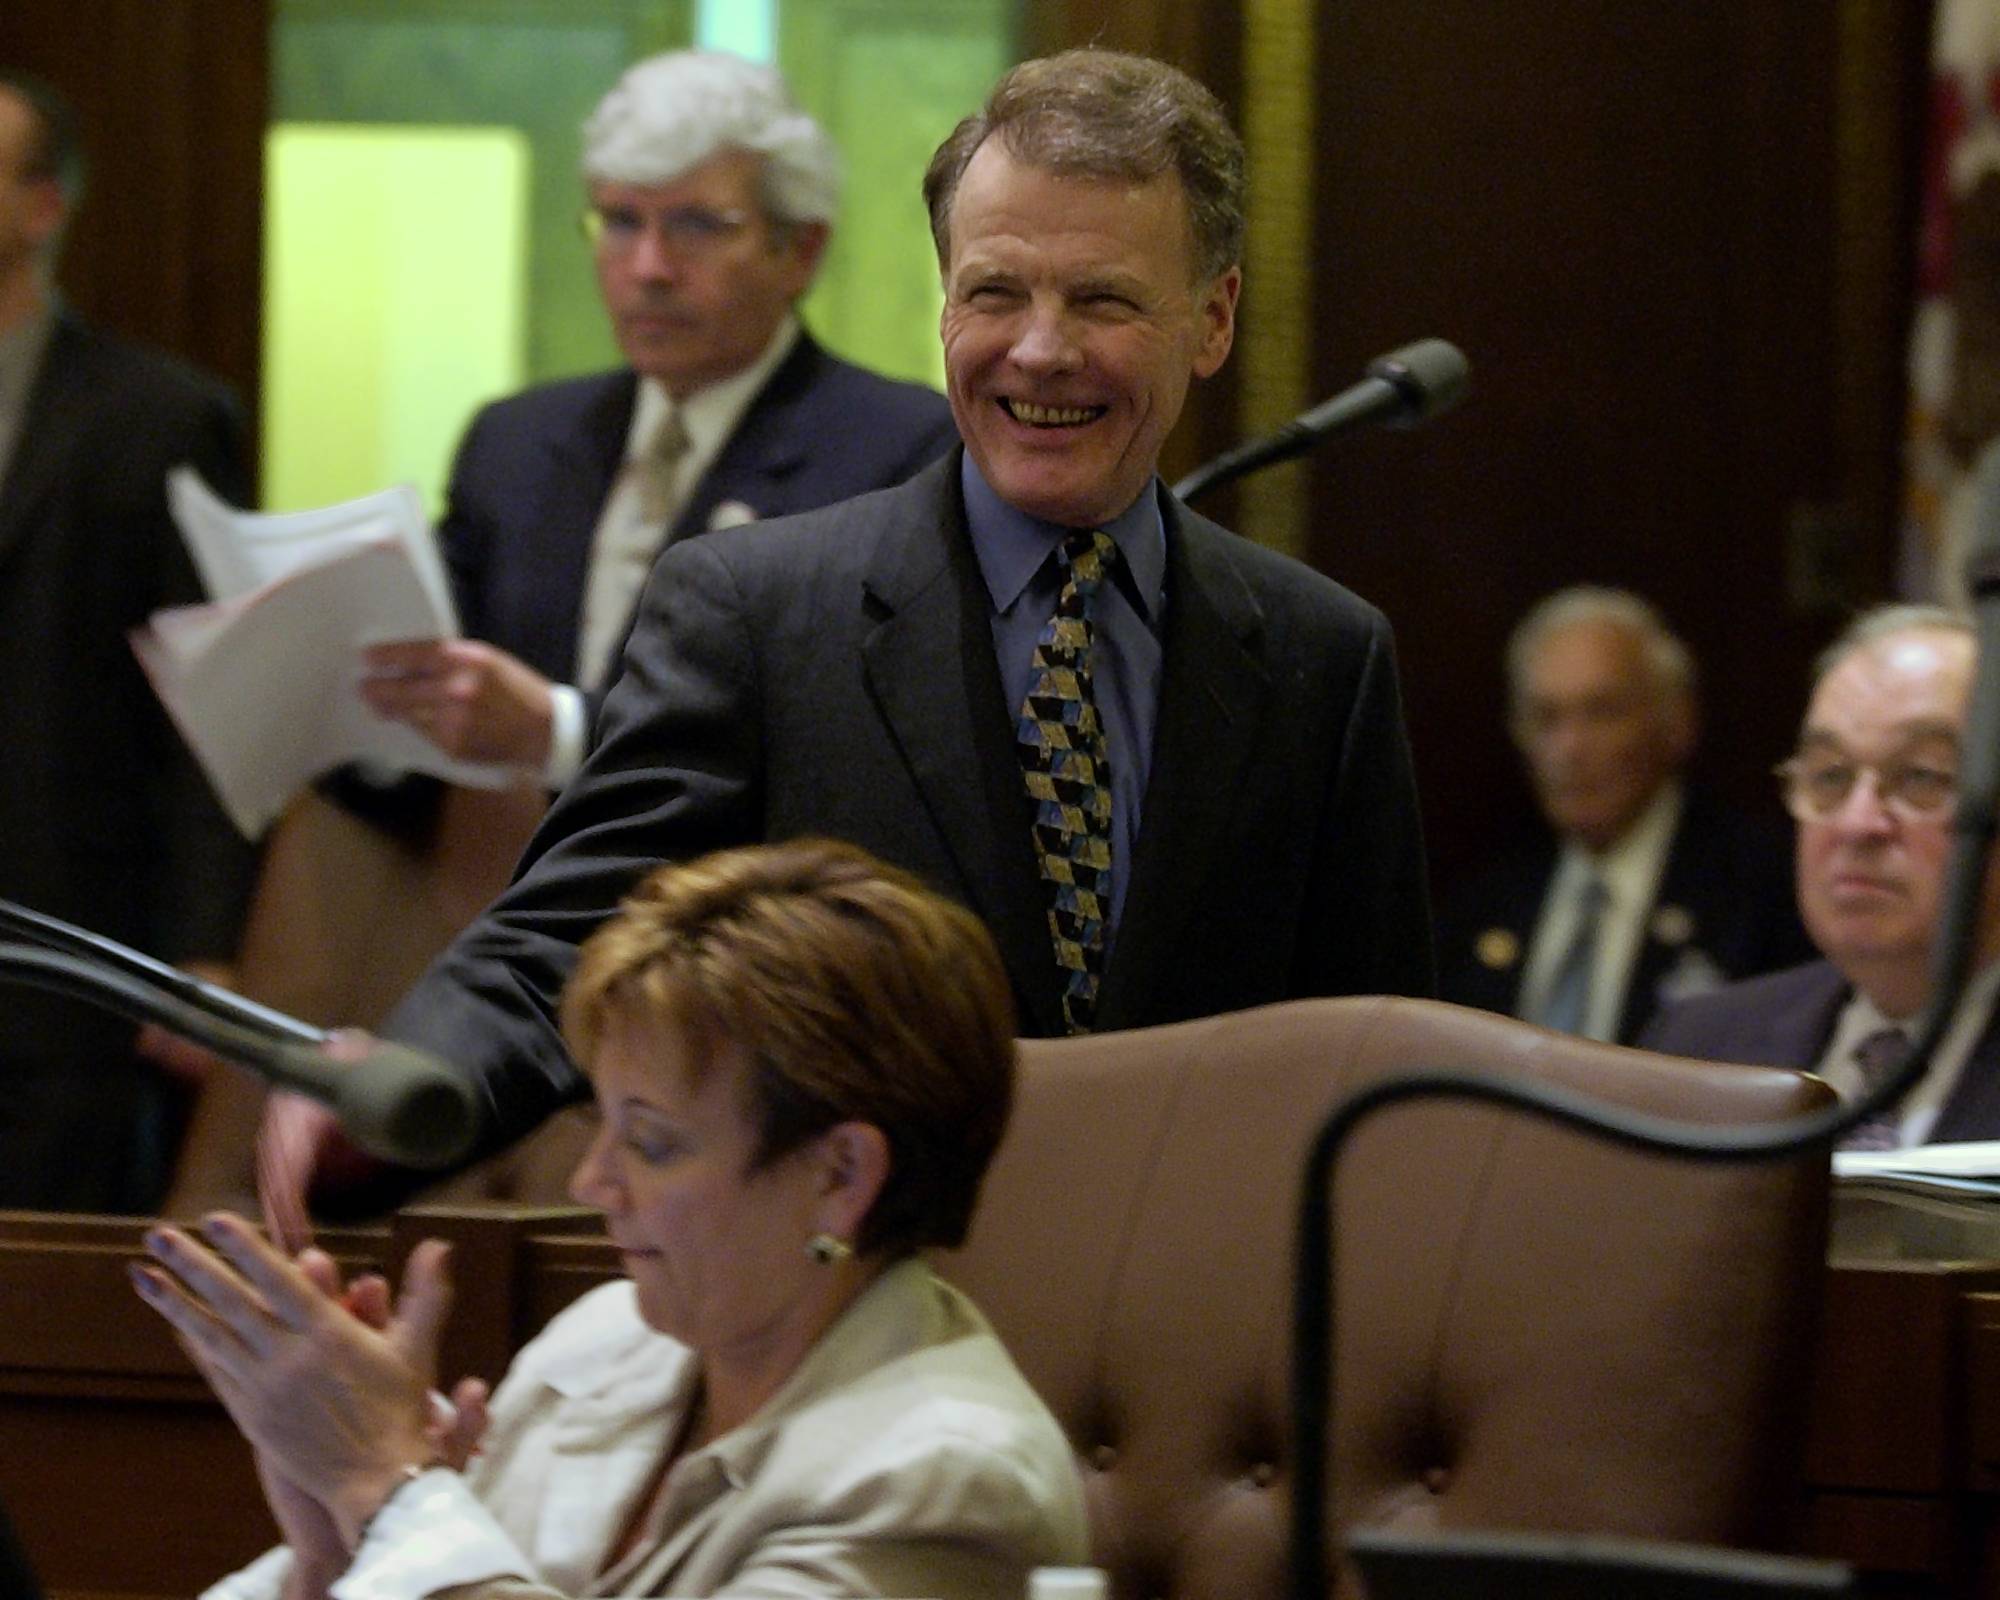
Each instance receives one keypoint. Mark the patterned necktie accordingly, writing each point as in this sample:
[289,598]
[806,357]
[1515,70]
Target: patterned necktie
[1068,770]
[1568,1003]
[1876,1058]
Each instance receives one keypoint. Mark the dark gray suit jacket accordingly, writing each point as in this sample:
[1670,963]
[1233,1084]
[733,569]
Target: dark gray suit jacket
[104,818]
[833,674]
[1785,1020]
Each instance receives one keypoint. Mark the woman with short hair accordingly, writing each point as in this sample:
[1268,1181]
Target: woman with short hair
[803,1062]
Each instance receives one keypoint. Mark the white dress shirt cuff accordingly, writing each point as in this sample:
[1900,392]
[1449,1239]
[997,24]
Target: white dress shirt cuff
[431,1535]
[568,728]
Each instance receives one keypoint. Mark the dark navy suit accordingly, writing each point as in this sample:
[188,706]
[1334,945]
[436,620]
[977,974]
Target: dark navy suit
[534,471]
[1784,1019]
[1725,908]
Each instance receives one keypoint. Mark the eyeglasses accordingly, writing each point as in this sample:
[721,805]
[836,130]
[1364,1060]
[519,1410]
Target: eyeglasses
[683,230]
[1816,787]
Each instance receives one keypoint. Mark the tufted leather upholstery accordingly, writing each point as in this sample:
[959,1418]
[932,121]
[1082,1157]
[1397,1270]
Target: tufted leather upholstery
[1534,1331]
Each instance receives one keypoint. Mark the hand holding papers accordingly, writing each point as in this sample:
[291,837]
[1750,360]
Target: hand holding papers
[262,680]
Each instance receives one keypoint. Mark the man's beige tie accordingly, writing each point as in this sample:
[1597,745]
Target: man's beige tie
[656,469]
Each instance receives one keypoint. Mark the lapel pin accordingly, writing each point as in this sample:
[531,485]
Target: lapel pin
[1672,924]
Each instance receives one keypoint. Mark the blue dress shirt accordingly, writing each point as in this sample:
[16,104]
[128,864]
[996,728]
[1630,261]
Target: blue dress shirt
[1016,555]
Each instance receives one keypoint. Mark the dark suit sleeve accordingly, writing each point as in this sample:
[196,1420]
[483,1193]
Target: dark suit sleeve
[205,867]
[1372,925]
[676,773]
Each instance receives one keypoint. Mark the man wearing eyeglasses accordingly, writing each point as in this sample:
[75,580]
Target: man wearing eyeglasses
[1872,785]
[711,200]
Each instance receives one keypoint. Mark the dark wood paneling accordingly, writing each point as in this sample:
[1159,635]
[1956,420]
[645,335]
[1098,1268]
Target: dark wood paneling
[172,96]
[1205,41]
[1632,219]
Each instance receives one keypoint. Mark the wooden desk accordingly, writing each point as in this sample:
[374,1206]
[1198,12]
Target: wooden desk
[122,1475]
[125,1478]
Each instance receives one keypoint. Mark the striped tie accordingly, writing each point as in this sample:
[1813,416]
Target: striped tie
[1068,772]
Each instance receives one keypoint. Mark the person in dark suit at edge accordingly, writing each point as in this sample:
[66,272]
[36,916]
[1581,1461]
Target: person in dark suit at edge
[944,672]
[1643,888]
[104,819]
[1872,785]
[710,200]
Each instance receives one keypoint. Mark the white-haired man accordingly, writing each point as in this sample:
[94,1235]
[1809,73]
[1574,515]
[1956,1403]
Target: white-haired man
[1872,785]
[1643,889]
[711,198]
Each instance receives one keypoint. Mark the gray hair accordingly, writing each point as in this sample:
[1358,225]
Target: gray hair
[1879,623]
[672,112]
[1667,658]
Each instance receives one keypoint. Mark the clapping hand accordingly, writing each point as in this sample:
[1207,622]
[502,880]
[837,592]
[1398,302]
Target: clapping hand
[336,1408]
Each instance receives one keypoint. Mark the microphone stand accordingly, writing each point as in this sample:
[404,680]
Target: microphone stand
[1400,390]
[1312,1304]
[395,1102]
[39,928]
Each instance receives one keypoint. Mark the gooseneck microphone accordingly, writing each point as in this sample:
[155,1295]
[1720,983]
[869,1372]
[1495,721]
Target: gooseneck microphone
[395,1102]
[1402,389]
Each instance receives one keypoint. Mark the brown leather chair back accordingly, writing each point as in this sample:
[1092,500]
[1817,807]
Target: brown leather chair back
[1533,1331]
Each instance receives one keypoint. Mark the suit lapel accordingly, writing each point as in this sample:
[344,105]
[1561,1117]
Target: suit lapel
[60,391]
[930,668]
[1797,1034]
[584,465]
[763,449]
[1214,687]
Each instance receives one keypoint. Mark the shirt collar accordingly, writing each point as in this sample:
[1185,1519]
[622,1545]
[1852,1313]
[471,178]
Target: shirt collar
[711,413]
[1630,868]
[1011,545]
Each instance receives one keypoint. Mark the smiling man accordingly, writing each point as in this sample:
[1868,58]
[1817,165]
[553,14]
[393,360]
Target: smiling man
[1872,785]
[1166,766]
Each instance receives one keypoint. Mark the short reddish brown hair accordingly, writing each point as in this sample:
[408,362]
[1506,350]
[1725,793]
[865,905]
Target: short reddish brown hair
[856,994]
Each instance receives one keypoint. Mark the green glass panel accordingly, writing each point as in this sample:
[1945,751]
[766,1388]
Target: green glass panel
[423,228]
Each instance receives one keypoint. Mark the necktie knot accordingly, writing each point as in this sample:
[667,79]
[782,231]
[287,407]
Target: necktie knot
[1085,556]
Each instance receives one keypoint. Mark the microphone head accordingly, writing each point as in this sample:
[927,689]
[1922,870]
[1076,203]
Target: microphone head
[407,1107]
[1431,376]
